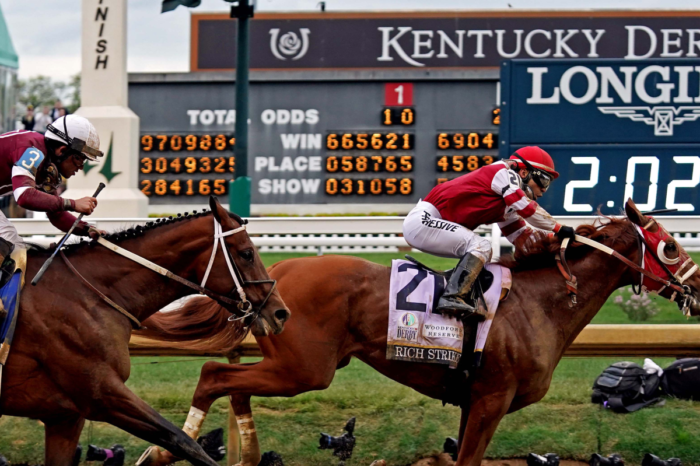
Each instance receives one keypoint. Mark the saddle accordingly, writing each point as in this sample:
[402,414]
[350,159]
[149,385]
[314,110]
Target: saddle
[11,284]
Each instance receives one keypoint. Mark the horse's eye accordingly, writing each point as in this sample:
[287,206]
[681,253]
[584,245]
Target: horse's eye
[671,249]
[247,254]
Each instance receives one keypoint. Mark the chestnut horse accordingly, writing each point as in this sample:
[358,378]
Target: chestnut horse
[340,310]
[70,357]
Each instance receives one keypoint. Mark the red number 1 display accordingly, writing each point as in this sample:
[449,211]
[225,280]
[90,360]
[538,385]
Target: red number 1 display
[398,94]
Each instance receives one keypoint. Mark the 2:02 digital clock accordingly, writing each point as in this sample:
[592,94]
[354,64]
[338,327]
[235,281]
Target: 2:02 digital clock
[602,177]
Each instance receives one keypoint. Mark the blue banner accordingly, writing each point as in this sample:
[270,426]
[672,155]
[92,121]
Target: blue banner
[616,129]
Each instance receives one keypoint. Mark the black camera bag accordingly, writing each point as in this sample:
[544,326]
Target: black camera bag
[626,387]
[682,379]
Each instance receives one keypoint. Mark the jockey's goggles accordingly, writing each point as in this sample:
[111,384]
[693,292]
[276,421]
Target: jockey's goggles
[540,177]
[75,144]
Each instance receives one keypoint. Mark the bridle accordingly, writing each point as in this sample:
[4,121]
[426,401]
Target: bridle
[675,281]
[244,305]
[677,278]
[242,308]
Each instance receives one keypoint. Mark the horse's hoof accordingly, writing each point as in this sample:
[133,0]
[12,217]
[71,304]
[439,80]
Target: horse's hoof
[150,457]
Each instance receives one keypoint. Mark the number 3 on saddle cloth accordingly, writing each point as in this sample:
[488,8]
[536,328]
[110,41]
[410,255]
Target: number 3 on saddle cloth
[11,283]
[416,334]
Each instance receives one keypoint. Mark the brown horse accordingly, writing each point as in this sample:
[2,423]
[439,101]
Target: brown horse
[70,356]
[340,308]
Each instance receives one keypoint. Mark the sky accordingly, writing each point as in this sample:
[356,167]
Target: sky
[46,33]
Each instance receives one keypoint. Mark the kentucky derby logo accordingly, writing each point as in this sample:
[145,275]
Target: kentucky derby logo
[663,119]
[408,319]
[289,45]
[408,331]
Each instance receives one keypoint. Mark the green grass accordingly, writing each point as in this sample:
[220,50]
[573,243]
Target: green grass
[398,424]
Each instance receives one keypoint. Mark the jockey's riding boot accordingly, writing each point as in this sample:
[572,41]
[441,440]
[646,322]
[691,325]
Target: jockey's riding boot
[453,301]
[5,250]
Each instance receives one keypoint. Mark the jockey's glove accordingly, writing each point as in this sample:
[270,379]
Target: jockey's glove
[566,232]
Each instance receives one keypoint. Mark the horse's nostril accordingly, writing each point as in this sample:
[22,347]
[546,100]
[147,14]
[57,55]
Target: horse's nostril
[282,315]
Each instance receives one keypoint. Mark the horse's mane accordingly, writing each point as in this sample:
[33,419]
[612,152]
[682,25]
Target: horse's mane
[604,228]
[134,232]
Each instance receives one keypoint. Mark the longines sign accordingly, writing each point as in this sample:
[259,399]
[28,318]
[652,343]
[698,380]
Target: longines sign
[616,129]
[441,40]
[601,101]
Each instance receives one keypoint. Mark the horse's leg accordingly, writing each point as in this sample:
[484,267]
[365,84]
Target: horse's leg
[250,447]
[269,377]
[462,426]
[483,416]
[120,407]
[61,440]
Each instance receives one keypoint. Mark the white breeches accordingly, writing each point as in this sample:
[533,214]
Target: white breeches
[9,232]
[424,229]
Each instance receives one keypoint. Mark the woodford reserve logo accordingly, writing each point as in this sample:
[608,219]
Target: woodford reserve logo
[654,85]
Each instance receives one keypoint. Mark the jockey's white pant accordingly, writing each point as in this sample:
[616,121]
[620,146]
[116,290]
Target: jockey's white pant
[9,232]
[425,229]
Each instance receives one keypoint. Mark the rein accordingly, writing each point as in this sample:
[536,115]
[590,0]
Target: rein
[244,307]
[571,279]
[134,321]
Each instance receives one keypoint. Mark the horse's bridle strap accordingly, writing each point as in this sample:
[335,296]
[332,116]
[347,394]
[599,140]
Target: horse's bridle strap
[629,263]
[134,321]
[163,271]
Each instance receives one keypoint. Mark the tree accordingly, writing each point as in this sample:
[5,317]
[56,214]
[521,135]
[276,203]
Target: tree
[74,93]
[42,90]
[39,90]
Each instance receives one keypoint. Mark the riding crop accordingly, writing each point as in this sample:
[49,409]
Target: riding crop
[46,265]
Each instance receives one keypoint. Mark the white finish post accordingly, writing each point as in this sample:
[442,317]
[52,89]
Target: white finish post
[104,101]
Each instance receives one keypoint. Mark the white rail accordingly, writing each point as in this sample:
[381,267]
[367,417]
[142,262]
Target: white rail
[340,234]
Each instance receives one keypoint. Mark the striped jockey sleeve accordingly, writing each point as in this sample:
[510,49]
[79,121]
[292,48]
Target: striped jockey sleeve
[507,184]
[512,227]
[542,220]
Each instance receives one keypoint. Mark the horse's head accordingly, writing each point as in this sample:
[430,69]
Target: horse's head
[667,259]
[237,273]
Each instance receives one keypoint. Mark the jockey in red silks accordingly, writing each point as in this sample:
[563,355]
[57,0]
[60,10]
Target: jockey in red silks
[504,192]
[32,166]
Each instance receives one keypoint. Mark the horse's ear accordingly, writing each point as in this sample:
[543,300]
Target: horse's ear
[634,214]
[216,209]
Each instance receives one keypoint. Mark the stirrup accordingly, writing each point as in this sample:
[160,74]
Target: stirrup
[461,312]
[454,303]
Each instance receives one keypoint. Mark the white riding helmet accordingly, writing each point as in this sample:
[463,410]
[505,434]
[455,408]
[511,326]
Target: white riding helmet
[77,133]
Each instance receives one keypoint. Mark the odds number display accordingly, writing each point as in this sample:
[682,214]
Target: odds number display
[369,163]
[372,187]
[186,142]
[369,141]
[398,116]
[185,166]
[471,140]
[463,163]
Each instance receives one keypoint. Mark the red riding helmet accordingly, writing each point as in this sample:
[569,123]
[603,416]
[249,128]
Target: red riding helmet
[538,158]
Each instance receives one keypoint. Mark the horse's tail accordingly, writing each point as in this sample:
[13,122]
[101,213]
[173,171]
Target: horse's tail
[200,324]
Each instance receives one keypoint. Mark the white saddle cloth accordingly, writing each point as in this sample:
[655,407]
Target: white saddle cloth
[415,333]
